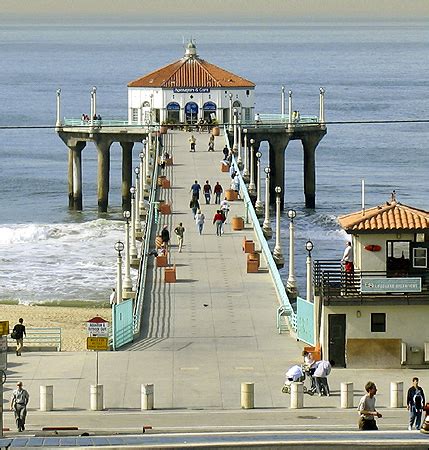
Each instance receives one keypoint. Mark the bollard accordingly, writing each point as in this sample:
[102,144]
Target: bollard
[247,395]
[346,395]
[147,396]
[46,398]
[297,395]
[96,397]
[396,394]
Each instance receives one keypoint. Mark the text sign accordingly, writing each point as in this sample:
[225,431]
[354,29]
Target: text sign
[4,327]
[98,343]
[97,329]
[381,285]
[191,90]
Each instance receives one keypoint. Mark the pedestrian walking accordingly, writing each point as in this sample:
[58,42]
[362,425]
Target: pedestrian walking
[199,221]
[195,189]
[218,221]
[207,189]
[18,404]
[224,206]
[367,410]
[217,190]
[415,404]
[165,236]
[225,152]
[112,298]
[321,372]
[18,334]
[211,143]
[192,142]
[180,231]
[194,204]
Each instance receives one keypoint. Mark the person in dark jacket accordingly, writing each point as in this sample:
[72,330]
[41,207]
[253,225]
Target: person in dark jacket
[415,404]
[18,333]
[165,236]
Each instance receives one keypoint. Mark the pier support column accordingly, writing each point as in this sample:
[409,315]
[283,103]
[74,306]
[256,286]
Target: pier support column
[277,166]
[309,144]
[103,176]
[127,174]
[75,175]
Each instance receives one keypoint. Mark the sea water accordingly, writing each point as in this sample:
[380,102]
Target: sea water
[376,71]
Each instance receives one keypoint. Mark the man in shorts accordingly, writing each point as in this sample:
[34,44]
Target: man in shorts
[367,410]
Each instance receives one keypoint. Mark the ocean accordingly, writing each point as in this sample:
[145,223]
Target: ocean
[371,71]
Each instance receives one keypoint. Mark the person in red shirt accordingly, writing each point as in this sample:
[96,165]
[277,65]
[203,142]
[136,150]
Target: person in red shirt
[217,190]
[218,221]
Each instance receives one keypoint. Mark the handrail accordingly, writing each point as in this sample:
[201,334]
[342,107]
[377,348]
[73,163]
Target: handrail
[272,268]
[41,336]
[141,285]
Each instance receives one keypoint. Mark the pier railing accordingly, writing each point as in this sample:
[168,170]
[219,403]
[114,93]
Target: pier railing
[287,309]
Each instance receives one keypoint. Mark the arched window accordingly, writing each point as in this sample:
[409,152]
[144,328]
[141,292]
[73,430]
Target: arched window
[173,112]
[236,104]
[209,111]
[191,112]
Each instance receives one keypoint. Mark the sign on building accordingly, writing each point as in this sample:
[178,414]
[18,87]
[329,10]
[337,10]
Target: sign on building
[97,326]
[390,285]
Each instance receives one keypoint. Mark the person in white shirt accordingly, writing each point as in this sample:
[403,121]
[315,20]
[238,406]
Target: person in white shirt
[367,410]
[348,258]
[323,369]
[18,404]
[295,373]
[224,206]
[113,297]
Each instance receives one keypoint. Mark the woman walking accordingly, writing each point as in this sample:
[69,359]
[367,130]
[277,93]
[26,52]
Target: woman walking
[199,220]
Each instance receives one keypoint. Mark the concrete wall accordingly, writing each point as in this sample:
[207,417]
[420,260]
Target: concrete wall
[407,323]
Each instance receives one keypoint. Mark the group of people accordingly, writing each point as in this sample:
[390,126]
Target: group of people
[193,143]
[86,118]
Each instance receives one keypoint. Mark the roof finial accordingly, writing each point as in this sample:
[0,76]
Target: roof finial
[393,196]
[191,49]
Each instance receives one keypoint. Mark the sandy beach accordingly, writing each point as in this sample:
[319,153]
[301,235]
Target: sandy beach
[71,320]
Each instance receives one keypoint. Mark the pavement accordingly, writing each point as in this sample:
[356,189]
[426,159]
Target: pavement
[201,338]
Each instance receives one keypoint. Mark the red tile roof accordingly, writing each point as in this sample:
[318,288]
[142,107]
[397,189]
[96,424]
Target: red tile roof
[191,72]
[391,216]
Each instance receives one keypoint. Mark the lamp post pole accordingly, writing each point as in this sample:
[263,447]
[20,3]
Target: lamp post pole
[137,200]
[277,253]
[246,158]
[142,180]
[230,112]
[283,102]
[127,284]
[291,281]
[58,121]
[266,226]
[133,248]
[259,206]
[94,90]
[239,159]
[252,187]
[148,177]
[309,248]
[235,130]
[322,106]
[119,247]
[290,108]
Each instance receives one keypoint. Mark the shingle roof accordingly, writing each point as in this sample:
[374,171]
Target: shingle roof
[191,72]
[391,216]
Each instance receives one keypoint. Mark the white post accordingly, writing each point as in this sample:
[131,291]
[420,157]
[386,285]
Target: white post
[252,187]
[230,112]
[46,398]
[290,107]
[322,106]
[127,284]
[133,248]
[138,224]
[266,226]
[119,277]
[239,159]
[297,395]
[235,129]
[58,121]
[291,281]
[91,119]
[259,206]
[283,102]
[247,395]
[94,89]
[142,183]
[147,159]
[396,394]
[346,395]
[246,156]
[309,280]
[277,253]
[147,396]
[96,397]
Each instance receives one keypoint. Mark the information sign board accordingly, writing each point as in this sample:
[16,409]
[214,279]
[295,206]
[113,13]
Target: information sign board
[381,285]
[4,327]
[97,343]
[97,326]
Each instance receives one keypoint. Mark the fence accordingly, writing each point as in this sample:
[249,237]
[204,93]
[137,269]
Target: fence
[40,338]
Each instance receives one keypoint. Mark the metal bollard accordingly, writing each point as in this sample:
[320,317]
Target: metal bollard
[46,398]
[247,395]
[297,395]
[396,394]
[147,391]
[346,395]
[96,397]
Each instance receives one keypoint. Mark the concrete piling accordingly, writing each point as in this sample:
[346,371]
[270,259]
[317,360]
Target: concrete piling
[297,395]
[96,397]
[46,398]
[346,395]
[147,396]
[396,394]
[247,395]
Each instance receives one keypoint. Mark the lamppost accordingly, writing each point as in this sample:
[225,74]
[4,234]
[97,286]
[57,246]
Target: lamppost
[235,131]
[246,158]
[283,102]
[322,105]
[128,284]
[58,121]
[133,248]
[259,206]
[266,226]
[277,253]
[94,90]
[137,200]
[290,108]
[291,281]
[252,187]
[142,183]
[230,112]
[119,247]
[148,178]
[309,248]
[239,159]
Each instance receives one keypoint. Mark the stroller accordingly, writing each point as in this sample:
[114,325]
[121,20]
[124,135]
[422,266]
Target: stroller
[296,374]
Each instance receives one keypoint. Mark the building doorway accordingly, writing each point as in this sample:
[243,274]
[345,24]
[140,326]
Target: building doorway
[191,113]
[337,339]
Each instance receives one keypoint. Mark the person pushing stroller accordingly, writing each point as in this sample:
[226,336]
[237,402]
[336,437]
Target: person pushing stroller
[295,374]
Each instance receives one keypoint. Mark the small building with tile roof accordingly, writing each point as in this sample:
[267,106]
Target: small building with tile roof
[375,316]
[189,90]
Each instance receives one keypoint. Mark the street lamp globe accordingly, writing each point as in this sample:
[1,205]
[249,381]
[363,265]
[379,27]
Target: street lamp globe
[291,214]
[137,170]
[252,141]
[278,189]
[119,247]
[132,190]
[309,246]
[127,215]
[267,170]
[258,155]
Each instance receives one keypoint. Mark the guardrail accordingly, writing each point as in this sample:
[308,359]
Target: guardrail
[272,268]
[40,337]
[141,283]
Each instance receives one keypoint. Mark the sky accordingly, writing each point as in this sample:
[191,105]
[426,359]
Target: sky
[177,11]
